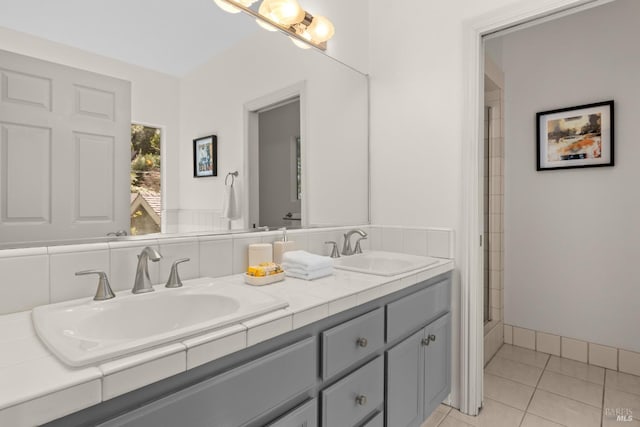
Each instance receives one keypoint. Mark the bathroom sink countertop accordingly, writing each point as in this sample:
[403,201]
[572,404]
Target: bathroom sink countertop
[37,387]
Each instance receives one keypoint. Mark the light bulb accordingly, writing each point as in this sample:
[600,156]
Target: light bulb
[227,7]
[265,11]
[321,29]
[246,3]
[302,45]
[285,12]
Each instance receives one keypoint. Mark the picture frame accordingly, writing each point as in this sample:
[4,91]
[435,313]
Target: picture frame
[205,156]
[576,137]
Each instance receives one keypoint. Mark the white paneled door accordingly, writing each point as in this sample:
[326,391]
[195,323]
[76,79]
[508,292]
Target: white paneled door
[64,151]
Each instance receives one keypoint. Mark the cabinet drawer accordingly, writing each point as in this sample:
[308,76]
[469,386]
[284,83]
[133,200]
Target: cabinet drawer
[416,310]
[351,341]
[354,397]
[235,397]
[377,421]
[305,415]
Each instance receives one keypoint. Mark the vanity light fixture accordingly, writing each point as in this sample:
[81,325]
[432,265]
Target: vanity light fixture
[287,16]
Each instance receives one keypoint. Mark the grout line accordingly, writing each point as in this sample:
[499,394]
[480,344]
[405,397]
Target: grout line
[526,410]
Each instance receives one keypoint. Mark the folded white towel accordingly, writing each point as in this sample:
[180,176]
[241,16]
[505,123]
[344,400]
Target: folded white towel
[305,260]
[309,275]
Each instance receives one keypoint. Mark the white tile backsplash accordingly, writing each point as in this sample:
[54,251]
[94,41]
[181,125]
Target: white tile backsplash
[629,362]
[392,239]
[24,283]
[65,285]
[440,243]
[173,249]
[414,241]
[48,274]
[216,257]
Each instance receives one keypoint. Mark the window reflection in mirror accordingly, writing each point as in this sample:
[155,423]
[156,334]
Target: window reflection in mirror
[146,196]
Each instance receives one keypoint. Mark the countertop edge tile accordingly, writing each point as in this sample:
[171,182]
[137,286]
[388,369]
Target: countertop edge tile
[138,359]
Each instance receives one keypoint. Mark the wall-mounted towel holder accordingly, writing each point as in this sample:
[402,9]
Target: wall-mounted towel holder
[233,176]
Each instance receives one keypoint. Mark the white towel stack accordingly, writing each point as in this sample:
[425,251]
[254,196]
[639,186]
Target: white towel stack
[303,265]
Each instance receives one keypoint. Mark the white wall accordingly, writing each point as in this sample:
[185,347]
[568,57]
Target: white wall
[334,141]
[572,236]
[154,96]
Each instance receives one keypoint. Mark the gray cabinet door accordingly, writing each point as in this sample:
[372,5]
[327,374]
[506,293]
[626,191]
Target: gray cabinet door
[405,364]
[377,421]
[437,363]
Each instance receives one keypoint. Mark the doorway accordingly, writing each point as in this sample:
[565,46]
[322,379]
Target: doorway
[472,301]
[279,165]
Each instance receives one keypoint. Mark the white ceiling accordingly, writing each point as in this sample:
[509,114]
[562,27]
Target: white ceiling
[170,36]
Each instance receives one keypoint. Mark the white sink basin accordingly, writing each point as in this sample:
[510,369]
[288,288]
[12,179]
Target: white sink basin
[383,263]
[84,331]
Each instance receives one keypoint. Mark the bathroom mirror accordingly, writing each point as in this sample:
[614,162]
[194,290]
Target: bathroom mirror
[190,82]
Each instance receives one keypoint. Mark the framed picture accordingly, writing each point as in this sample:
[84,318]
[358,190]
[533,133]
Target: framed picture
[576,137]
[205,156]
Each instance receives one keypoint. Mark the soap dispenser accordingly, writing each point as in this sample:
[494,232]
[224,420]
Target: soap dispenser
[282,246]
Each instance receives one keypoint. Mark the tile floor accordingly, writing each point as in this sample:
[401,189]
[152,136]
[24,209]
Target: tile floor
[525,388]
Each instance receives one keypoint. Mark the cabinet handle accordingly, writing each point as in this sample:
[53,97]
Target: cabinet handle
[362,342]
[428,339]
[361,400]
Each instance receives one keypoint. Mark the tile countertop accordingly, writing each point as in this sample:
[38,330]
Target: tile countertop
[36,388]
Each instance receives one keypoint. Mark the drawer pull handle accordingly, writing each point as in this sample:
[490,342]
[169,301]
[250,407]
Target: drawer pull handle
[362,342]
[361,400]
[428,339]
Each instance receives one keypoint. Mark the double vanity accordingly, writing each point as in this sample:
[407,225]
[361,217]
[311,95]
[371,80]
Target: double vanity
[367,346]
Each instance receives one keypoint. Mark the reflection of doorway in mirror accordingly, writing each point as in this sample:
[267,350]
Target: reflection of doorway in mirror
[146,195]
[279,165]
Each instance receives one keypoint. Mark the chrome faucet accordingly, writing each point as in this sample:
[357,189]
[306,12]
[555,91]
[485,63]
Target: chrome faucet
[142,283]
[346,247]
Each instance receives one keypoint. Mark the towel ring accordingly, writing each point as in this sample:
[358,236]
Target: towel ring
[233,176]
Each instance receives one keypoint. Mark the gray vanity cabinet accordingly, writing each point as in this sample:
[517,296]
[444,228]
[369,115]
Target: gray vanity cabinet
[418,374]
[385,363]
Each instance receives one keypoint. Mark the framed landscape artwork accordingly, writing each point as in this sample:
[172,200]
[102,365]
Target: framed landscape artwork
[575,137]
[205,156]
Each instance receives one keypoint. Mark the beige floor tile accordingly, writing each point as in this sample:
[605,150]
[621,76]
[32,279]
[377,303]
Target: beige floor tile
[453,422]
[437,416]
[531,420]
[573,388]
[562,410]
[506,391]
[618,402]
[515,371]
[576,369]
[493,414]
[523,355]
[623,382]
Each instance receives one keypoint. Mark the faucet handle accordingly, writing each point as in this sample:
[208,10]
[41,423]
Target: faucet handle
[104,291]
[358,248]
[174,280]
[335,253]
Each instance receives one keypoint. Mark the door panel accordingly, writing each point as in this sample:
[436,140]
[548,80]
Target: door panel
[405,376]
[437,363]
[64,151]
